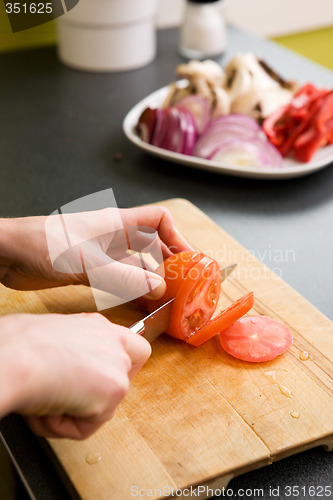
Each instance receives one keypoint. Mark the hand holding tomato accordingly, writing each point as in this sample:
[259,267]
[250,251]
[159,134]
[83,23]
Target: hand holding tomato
[34,252]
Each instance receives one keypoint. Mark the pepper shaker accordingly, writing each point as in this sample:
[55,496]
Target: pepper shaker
[203,31]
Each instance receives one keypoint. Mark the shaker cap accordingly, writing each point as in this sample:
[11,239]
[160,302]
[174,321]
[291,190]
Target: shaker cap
[202,1]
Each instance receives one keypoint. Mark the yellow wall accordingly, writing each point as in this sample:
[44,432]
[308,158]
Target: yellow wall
[33,37]
[316,45]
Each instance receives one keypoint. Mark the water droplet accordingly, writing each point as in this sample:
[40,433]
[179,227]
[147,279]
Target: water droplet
[285,391]
[295,414]
[304,356]
[93,458]
[271,376]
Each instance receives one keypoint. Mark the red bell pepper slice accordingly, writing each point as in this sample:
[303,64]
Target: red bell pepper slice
[307,144]
[303,126]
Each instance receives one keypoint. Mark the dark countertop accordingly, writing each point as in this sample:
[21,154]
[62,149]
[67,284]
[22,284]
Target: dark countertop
[60,130]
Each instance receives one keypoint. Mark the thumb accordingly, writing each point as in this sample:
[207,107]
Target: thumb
[126,281]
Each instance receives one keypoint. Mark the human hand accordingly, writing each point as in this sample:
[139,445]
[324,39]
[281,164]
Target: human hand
[66,373]
[90,248]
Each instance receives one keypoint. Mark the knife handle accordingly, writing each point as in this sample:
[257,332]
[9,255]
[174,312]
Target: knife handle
[138,327]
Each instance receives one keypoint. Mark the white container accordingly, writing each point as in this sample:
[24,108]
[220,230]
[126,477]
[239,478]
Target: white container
[203,30]
[108,35]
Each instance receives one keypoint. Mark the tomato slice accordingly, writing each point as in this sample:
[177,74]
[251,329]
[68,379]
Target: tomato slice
[196,299]
[194,280]
[223,320]
[256,339]
[174,269]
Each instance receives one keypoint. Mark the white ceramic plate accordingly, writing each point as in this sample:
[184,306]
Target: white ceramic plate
[291,168]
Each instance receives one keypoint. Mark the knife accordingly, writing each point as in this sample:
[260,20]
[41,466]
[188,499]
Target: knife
[157,322]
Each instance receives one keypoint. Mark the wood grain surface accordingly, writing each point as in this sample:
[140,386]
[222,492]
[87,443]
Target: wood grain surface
[198,416]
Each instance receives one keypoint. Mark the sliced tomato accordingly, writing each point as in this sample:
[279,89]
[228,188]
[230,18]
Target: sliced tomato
[174,270]
[256,339]
[194,281]
[223,320]
[196,299]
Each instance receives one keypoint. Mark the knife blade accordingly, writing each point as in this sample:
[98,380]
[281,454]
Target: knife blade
[157,322]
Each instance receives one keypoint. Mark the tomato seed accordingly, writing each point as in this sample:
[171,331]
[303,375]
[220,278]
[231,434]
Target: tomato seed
[196,320]
[211,295]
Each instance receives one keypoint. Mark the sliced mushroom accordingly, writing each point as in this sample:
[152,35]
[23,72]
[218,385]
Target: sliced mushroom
[209,70]
[254,88]
[221,103]
[176,93]
[260,102]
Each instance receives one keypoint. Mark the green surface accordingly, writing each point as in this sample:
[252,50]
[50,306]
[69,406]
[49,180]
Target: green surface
[315,45]
[33,37]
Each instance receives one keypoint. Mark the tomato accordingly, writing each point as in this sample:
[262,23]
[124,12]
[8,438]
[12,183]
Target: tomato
[196,299]
[256,339]
[174,270]
[194,280]
[223,320]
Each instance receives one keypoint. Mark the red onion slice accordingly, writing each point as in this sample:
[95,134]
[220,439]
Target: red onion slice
[231,139]
[174,130]
[254,153]
[173,139]
[237,140]
[146,124]
[161,128]
[190,134]
[245,121]
[199,107]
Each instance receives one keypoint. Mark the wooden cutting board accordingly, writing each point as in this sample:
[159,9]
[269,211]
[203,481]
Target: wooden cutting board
[199,416]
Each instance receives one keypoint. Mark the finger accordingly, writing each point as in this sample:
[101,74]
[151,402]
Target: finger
[62,426]
[159,251]
[73,428]
[139,260]
[170,234]
[160,219]
[138,349]
[166,252]
[39,428]
[126,281]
